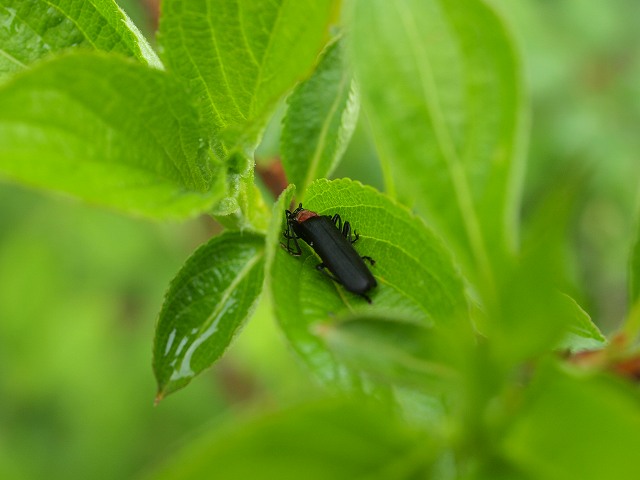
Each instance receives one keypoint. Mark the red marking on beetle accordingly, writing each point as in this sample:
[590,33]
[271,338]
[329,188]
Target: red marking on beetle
[304,215]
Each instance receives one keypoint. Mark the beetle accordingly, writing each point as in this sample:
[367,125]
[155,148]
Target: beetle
[332,239]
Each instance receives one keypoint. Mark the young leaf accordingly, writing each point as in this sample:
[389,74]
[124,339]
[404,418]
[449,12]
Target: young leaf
[207,303]
[322,114]
[531,316]
[576,427]
[31,29]
[415,274]
[110,131]
[241,56]
[325,440]
[442,87]
[582,333]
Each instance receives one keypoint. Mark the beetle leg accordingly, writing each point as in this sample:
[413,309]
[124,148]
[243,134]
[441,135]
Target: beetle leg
[346,231]
[366,297]
[298,251]
[337,220]
[369,259]
[295,252]
[286,247]
[291,236]
[348,234]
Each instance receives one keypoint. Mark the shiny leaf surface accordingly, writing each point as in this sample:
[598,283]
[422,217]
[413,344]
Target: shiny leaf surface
[32,29]
[208,301]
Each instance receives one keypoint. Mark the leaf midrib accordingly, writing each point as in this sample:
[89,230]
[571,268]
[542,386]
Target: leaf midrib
[322,138]
[456,169]
[221,63]
[226,293]
[265,55]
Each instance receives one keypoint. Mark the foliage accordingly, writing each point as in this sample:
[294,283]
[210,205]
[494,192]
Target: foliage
[474,360]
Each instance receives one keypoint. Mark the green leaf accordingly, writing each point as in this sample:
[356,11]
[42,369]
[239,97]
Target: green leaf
[110,131]
[274,233]
[634,271]
[415,274]
[442,87]
[240,56]
[322,114]
[325,440]
[530,316]
[207,303]
[576,427]
[32,29]
[631,327]
[243,207]
[582,333]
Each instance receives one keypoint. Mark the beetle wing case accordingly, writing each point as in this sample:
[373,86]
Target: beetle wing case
[331,240]
[336,252]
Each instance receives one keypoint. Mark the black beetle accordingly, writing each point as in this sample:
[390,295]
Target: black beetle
[332,240]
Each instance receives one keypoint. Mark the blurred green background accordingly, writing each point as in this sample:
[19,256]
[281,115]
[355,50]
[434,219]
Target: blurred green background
[80,287]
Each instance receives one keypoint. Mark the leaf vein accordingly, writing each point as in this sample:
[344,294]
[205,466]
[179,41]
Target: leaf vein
[266,53]
[11,58]
[223,70]
[322,138]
